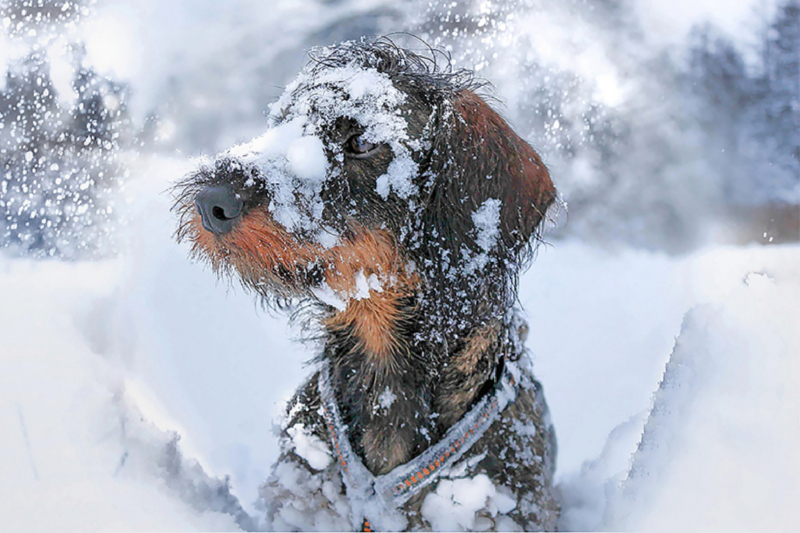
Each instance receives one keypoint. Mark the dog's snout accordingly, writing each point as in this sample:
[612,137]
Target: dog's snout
[220,208]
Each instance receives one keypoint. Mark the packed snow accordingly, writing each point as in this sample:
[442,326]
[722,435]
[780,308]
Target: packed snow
[325,294]
[310,447]
[306,157]
[455,504]
[726,399]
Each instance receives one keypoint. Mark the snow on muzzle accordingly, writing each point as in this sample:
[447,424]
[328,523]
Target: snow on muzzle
[287,163]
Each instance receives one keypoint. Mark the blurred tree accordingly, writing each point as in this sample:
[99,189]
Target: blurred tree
[646,149]
[721,95]
[750,118]
[41,19]
[781,98]
[59,165]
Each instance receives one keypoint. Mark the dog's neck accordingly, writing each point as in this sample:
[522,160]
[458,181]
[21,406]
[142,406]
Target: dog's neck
[398,391]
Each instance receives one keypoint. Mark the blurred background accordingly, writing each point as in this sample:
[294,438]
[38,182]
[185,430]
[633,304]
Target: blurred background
[139,392]
[666,127]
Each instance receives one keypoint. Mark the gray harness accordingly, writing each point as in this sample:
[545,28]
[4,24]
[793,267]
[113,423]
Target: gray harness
[375,501]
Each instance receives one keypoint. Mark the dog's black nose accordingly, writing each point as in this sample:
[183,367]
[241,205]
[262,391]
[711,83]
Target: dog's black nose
[220,208]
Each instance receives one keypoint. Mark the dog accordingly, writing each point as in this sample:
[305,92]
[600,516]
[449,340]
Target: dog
[393,209]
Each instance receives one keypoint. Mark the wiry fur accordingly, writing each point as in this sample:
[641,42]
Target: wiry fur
[440,326]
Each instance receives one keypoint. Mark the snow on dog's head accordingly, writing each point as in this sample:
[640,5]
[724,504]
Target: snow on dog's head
[374,166]
[308,123]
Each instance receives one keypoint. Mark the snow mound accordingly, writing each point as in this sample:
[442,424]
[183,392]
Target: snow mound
[78,452]
[720,447]
[718,450]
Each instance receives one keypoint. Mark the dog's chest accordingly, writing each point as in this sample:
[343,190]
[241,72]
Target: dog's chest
[502,482]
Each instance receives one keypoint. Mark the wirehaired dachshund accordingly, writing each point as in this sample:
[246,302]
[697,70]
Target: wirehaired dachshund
[392,209]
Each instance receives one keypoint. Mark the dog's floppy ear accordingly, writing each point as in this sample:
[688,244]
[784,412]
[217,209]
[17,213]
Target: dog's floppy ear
[492,151]
[476,157]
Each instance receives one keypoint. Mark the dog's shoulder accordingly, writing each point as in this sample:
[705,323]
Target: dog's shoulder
[512,465]
[520,455]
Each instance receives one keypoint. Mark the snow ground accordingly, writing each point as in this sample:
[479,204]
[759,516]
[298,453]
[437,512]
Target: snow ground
[101,362]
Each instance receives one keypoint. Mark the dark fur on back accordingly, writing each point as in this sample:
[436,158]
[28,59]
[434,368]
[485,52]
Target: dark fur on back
[448,248]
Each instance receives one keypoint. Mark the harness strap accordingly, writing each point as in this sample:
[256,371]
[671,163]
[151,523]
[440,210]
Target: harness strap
[375,500]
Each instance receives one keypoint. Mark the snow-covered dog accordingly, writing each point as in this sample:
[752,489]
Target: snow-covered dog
[395,207]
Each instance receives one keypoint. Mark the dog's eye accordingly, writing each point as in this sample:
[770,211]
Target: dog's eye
[356,145]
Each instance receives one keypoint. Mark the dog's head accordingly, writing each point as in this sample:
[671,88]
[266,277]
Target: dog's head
[379,171]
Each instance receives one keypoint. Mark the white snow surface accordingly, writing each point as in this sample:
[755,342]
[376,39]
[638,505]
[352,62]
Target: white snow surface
[728,398]
[455,503]
[325,294]
[310,447]
[306,157]
[339,299]
[101,362]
